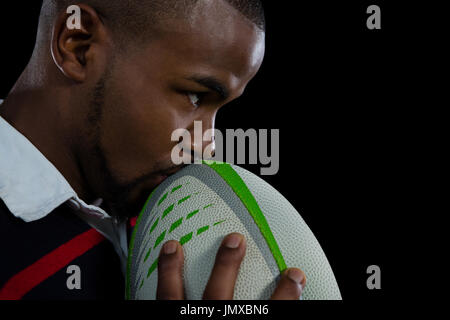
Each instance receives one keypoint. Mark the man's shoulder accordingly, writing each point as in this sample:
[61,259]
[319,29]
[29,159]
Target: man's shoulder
[39,253]
[26,242]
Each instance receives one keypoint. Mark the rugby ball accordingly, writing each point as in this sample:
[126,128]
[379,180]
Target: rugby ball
[199,206]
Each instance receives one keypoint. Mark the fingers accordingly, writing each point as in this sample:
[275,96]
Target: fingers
[290,286]
[170,272]
[224,274]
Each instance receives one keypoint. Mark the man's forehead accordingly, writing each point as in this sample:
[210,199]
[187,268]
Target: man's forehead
[205,11]
[217,37]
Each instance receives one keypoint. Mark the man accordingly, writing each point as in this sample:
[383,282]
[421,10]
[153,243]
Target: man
[90,121]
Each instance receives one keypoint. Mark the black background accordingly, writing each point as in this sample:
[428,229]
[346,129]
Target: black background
[332,87]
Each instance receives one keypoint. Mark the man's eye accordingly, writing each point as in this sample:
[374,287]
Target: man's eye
[194,98]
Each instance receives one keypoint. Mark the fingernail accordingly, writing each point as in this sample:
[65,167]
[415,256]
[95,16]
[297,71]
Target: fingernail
[170,247]
[296,275]
[233,241]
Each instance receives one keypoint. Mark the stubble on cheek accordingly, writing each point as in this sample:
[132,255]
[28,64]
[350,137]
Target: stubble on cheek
[118,172]
[97,170]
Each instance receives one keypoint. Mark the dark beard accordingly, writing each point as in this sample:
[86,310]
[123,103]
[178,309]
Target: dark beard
[115,194]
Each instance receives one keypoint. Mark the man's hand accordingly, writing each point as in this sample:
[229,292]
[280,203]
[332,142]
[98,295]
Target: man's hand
[223,276]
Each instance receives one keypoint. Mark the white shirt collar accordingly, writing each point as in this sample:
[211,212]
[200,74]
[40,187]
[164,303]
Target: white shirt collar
[32,187]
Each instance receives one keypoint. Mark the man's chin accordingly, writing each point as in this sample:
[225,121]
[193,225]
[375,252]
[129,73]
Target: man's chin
[130,200]
[131,205]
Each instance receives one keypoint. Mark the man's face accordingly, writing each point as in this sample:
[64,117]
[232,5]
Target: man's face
[184,75]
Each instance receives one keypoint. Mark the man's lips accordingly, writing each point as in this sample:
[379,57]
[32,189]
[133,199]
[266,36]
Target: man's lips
[140,194]
[159,176]
[137,196]
[164,174]
[173,170]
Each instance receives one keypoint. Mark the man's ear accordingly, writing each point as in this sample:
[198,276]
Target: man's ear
[75,49]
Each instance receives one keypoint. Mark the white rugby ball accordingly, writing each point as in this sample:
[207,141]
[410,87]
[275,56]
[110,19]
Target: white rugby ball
[203,203]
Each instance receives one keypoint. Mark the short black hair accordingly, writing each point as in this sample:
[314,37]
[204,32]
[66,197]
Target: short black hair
[134,17]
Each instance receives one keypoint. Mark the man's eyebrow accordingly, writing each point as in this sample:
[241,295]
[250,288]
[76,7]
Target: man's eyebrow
[212,84]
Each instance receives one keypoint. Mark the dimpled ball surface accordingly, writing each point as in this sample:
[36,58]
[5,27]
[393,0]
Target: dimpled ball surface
[198,206]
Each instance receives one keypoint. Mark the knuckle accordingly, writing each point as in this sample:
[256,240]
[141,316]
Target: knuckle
[168,265]
[229,257]
[169,297]
[291,289]
[210,296]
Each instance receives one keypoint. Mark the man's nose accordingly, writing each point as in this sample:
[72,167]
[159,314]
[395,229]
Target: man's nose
[202,141]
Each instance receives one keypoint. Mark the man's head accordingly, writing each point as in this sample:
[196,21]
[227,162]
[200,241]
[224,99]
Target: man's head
[135,72]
